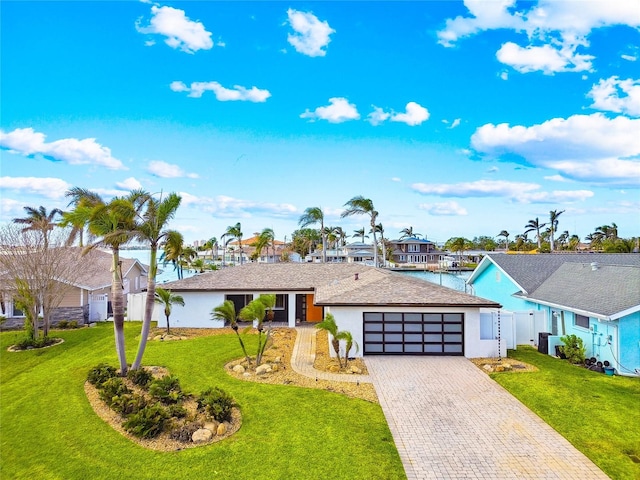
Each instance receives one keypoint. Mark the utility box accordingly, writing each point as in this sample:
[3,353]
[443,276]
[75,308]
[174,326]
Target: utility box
[543,342]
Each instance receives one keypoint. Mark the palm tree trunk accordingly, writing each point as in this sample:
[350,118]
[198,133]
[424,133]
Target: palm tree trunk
[168,331]
[375,245]
[118,311]
[148,307]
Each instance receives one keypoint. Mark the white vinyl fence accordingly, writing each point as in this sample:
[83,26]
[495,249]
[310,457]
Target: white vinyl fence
[135,307]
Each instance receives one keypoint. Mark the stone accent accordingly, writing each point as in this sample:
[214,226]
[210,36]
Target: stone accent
[264,368]
[67,313]
[239,369]
[201,435]
[222,429]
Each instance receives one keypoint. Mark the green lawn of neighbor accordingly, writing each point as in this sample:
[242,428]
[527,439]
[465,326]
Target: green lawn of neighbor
[598,414]
[48,430]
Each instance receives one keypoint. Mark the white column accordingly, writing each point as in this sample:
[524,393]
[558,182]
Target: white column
[292,310]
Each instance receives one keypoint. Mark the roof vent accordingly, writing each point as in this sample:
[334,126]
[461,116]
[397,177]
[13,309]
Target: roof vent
[594,266]
[356,276]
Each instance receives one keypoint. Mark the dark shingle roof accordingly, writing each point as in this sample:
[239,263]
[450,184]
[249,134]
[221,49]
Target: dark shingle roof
[605,290]
[530,271]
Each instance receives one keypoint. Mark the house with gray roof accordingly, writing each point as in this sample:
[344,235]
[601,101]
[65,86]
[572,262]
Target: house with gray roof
[593,295]
[415,251]
[386,312]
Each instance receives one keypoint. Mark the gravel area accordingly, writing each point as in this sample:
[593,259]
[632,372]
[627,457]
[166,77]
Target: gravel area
[279,357]
[490,365]
[326,363]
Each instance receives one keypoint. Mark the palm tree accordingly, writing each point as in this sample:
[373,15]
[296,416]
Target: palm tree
[256,311]
[360,233]
[235,232]
[535,225]
[166,298]
[408,233]
[83,201]
[505,234]
[341,235]
[329,325]
[39,220]
[187,256]
[380,229]
[364,206]
[266,239]
[112,224]
[312,216]
[227,313]
[348,338]
[173,247]
[151,227]
[553,225]
[198,264]
[212,244]
[563,239]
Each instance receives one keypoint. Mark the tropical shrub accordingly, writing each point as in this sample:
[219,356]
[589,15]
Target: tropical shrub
[573,348]
[38,342]
[114,387]
[149,422]
[176,410]
[140,377]
[216,403]
[100,374]
[128,403]
[166,389]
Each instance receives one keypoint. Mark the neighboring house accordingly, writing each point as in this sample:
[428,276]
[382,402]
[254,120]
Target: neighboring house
[386,312]
[415,251]
[598,303]
[89,297]
[356,252]
[513,279]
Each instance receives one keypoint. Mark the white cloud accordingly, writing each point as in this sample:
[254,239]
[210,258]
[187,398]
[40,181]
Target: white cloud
[47,187]
[415,114]
[556,29]
[615,95]
[517,192]
[629,58]
[545,58]
[455,123]
[339,110]
[556,178]
[168,170]
[237,93]
[504,75]
[310,35]
[129,184]
[26,141]
[444,209]
[590,148]
[396,179]
[493,169]
[230,207]
[378,116]
[181,32]
[10,208]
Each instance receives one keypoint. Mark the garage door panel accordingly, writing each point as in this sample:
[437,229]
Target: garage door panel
[413,333]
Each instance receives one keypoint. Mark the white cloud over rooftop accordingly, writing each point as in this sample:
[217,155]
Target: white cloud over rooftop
[28,142]
[591,148]
[180,31]
[223,94]
[310,35]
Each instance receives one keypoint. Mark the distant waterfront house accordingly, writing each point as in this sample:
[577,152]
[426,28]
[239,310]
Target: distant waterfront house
[88,298]
[593,295]
[356,252]
[413,250]
[386,312]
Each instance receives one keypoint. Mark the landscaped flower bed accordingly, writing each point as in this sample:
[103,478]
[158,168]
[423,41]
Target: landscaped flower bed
[150,408]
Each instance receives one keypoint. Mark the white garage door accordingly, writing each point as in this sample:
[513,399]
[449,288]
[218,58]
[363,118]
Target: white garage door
[413,333]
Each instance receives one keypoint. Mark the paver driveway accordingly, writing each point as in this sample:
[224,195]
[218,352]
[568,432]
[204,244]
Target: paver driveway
[449,420]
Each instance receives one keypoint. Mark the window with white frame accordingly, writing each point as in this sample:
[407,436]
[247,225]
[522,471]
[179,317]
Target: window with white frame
[413,248]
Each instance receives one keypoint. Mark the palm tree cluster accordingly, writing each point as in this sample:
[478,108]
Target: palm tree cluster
[138,216]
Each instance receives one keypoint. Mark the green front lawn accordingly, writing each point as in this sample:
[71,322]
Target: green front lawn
[598,414]
[49,430]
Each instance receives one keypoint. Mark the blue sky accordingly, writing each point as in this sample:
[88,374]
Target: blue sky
[455,118]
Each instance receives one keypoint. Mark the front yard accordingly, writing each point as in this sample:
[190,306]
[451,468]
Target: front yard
[49,430]
[598,414]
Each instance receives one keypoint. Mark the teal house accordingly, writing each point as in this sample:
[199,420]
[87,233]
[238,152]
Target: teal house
[594,296]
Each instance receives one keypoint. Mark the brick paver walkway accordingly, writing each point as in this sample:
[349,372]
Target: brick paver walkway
[304,354]
[449,420]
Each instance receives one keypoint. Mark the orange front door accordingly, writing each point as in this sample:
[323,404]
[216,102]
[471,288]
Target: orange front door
[314,313]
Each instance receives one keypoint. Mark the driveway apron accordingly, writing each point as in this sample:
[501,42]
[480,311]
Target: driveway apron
[449,420]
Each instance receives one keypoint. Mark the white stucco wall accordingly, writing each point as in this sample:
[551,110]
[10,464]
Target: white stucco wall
[196,312]
[351,319]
